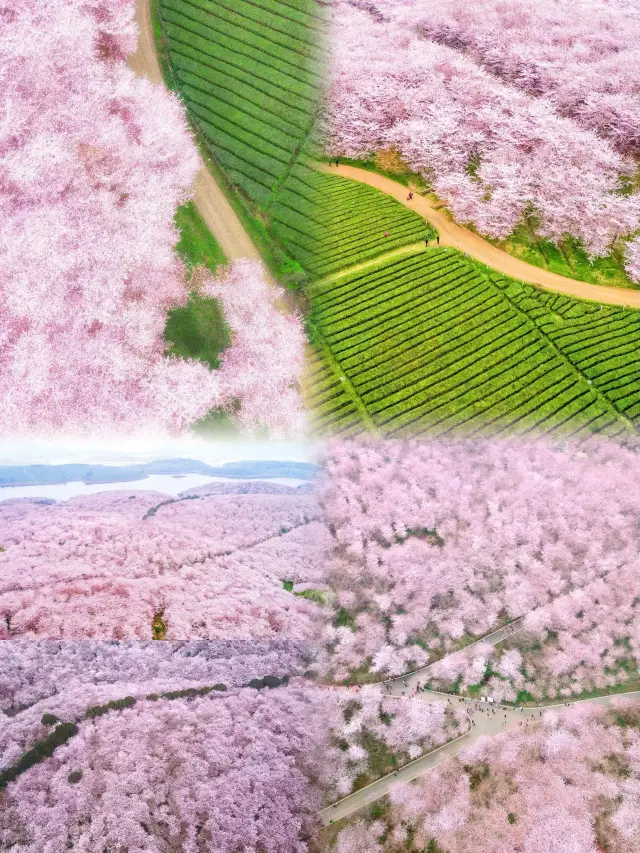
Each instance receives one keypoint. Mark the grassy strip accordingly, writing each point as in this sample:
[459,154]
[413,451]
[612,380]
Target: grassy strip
[42,749]
[197,246]
[198,330]
[63,732]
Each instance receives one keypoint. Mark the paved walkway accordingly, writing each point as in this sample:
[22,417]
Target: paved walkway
[457,237]
[485,719]
[212,204]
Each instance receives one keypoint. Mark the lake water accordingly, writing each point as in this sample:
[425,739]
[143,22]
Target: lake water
[168,484]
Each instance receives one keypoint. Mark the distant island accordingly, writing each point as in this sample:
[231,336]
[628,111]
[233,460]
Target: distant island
[29,475]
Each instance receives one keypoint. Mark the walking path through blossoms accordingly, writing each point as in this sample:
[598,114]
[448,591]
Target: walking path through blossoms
[475,246]
[485,719]
[212,204]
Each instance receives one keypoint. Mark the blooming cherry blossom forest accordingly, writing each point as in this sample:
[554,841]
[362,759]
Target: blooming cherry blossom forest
[509,110]
[160,747]
[95,162]
[570,782]
[432,645]
[123,565]
[440,543]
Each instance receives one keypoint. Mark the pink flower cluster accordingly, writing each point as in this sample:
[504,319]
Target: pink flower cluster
[94,162]
[492,152]
[209,566]
[441,542]
[569,783]
[65,678]
[583,58]
[227,771]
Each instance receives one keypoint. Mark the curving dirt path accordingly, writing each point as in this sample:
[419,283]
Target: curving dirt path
[212,204]
[464,240]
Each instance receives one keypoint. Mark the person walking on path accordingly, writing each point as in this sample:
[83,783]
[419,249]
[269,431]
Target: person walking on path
[410,196]
[426,241]
[438,239]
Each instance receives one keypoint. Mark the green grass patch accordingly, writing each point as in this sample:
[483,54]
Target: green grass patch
[344,619]
[197,245]
[567,258]
[315,595]
[198,330]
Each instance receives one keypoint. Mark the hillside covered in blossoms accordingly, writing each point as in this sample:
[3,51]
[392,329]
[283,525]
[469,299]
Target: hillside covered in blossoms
[137,565]
[497,105]
[95,163]
[569,783]
[441,543]
[158,746]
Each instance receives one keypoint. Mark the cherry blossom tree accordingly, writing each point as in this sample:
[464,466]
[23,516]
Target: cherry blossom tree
[230,770]
[41,679]
[582,58]
[569,782]
[264,363]
[493,153]
[94,162]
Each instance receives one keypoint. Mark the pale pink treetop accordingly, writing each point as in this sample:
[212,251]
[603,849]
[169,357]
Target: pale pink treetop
[211,566]
[583,58]
[262,367]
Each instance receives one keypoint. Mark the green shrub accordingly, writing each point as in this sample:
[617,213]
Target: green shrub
[40,750]
[115,705]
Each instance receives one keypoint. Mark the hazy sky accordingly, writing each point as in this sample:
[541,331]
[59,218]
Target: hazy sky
[123,451]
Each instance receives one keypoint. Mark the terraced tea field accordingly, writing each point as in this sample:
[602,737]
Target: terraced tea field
[329,222]
[432,344]
[247,71]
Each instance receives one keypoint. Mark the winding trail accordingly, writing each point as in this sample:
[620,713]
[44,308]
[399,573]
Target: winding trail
[486,719]
[212,204]
[457,237]
[484,723]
